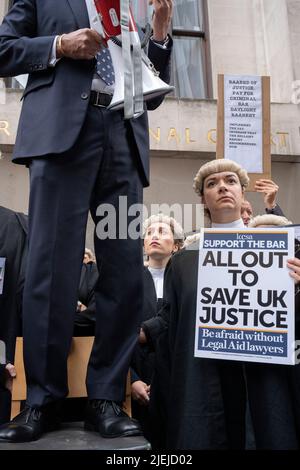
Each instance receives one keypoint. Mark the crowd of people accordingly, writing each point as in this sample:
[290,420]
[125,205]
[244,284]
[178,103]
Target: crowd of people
[180,401]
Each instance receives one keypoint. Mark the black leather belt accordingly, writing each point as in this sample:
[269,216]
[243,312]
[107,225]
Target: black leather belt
[100,99]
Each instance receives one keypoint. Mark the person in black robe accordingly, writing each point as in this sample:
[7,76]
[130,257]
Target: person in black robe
[206,399]
[273,390]
[85,316]
[163,236]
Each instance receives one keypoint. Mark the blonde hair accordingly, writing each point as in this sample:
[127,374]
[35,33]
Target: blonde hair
[269,219]
[218,166]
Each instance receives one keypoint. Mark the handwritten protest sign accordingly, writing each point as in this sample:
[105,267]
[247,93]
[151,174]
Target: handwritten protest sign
[244,123]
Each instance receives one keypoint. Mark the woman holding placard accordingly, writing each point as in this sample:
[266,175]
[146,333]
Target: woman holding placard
[207,397]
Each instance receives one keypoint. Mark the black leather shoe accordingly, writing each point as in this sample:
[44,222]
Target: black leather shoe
[108,418]
[29,425]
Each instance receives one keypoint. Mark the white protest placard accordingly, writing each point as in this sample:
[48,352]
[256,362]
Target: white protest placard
[246,297]
[244,124]
[2,271]
[243,121]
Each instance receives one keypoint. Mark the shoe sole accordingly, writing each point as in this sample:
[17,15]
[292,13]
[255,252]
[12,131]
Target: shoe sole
[92,427]
[50,428]
[7,441]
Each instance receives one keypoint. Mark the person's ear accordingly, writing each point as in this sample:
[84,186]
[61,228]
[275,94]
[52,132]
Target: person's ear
[175,248]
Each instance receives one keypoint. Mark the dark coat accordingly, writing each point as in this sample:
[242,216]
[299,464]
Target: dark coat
[26,39]
[144,367]
[85,320]
[207,398]
[143,357]
[274,398]
[276,211]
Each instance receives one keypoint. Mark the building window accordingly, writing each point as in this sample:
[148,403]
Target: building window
[189,72]
[189,59]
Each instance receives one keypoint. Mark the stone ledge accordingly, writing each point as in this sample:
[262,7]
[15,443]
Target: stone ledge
[72,436]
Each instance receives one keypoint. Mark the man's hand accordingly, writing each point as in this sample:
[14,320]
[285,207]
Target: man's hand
[81,44]
[10,375]
[163,10]
[270,189]
[140,392]
[294,265]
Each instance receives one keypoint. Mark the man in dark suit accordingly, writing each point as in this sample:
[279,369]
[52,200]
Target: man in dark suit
[80,155]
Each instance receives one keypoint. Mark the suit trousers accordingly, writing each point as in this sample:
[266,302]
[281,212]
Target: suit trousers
[101,167]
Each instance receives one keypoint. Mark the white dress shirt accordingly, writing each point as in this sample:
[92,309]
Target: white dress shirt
[235,224]
[158,279]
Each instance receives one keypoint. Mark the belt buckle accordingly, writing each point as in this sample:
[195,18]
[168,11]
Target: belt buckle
[97,103]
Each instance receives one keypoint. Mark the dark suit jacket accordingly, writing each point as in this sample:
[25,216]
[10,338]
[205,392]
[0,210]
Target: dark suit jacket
[56,98]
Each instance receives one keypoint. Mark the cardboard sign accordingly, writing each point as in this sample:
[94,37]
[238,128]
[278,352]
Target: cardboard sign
[244,127]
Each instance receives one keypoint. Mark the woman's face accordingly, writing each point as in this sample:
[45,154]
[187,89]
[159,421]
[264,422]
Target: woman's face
[159,241]
[223,196]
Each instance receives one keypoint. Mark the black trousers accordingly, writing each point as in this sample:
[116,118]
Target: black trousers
[101,167]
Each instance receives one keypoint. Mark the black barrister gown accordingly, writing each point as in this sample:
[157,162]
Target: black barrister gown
[13,247]
[85,321]
[274,399]
[207,397]
[143,359]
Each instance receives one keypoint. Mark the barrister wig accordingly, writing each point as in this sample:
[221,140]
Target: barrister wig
[176,228]
[218,166]
[269,220]
[190,239]
[90,254]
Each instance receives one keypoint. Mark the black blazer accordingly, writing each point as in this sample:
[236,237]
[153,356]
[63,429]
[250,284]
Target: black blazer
[56,99]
